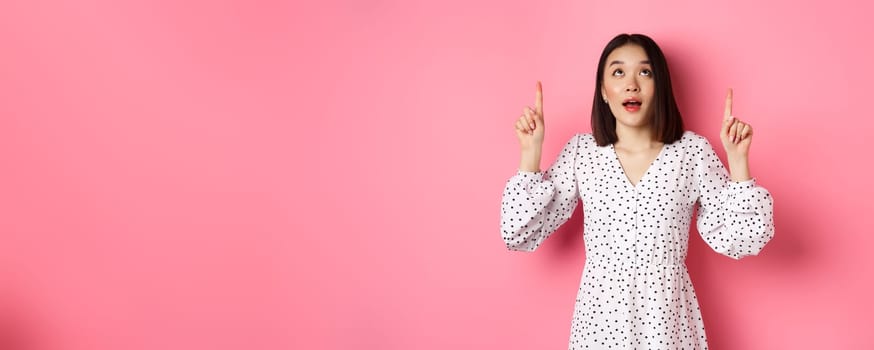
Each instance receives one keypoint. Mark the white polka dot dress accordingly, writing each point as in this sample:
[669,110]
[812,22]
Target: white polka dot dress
[635,292]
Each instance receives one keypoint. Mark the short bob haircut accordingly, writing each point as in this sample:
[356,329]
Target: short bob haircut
[666,118]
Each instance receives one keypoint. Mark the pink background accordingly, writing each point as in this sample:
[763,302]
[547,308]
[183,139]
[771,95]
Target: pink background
[270,175]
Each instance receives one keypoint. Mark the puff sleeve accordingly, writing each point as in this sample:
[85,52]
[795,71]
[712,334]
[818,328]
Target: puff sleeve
[734,218]
[535,204]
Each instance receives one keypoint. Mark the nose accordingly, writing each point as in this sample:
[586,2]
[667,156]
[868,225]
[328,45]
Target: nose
[632,87]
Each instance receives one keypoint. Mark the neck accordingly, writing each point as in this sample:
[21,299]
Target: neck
[641,137]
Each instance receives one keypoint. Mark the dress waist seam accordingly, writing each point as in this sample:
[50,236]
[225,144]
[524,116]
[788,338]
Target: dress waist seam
[629,262]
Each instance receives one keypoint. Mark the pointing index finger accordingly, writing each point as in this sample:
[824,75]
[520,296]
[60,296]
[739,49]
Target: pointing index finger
[728,98]
[538,102]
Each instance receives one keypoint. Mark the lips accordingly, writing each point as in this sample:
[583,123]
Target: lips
[631,104]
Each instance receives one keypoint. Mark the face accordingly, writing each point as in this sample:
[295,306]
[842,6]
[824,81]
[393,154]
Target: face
[628,85]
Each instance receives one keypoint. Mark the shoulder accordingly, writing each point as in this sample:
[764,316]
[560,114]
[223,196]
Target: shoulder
[585,142]
[690,136]
[694,140]
[580,144]
[585,138]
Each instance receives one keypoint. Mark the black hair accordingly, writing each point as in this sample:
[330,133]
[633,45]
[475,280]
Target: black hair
[666,118]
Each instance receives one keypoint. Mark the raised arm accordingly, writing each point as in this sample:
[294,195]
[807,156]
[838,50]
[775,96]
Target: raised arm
[735,216]
[534,204]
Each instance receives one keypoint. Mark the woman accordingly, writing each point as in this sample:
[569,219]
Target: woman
[639,176]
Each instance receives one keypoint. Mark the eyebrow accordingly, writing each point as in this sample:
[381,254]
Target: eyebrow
[620,62]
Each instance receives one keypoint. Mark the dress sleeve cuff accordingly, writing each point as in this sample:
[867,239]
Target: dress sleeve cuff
[736,186]
[737,196]
[530,175]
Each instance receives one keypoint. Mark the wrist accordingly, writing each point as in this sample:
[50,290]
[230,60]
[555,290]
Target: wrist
[739,170]
[533,150]
[737,158]
[741,178]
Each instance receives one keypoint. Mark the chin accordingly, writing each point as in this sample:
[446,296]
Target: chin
[632,121]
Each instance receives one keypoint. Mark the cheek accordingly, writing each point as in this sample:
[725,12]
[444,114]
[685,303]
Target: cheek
[649,85]
[612,89]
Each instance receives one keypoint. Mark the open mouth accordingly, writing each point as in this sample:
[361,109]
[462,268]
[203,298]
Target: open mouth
[631,105]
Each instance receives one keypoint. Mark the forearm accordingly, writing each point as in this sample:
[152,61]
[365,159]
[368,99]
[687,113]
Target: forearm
[530,160]
[739,167]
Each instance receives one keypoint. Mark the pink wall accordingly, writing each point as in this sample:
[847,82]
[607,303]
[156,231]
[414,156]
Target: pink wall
[264,175]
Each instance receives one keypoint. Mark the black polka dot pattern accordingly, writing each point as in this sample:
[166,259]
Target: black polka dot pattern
[635,292]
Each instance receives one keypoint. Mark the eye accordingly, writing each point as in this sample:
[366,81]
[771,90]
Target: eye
[618,72]
[646,73]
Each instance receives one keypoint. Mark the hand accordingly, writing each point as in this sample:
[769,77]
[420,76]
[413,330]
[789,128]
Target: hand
[529,126]
[736,135]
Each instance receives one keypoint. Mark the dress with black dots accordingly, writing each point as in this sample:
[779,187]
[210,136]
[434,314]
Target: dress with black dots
[635,292]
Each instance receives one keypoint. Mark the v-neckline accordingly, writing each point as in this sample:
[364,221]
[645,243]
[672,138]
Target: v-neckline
[645,174]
